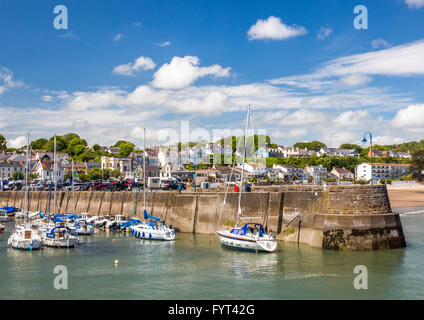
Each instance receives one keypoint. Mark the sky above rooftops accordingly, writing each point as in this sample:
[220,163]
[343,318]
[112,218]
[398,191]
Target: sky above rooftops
[124,65]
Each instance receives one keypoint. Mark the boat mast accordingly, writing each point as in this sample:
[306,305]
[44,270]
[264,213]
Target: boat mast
[54,174]
[144,168]
[26,180]
[242,168]
[73,188]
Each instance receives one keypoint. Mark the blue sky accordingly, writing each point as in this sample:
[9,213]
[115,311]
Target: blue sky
[123,65]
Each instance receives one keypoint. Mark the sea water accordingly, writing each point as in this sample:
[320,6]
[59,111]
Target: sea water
[197,267]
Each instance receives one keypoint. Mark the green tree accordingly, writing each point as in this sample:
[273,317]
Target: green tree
[314,145]
[96,147]
[77,150]
[119,142]
[115,173]
[60,144]
[417,162]
[125,149]
[3,143]
[18,175]
[351,146]
[95,174]
[74,143]
[39,144]
[67,138]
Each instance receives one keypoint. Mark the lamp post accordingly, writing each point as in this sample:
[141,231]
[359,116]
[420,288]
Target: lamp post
[364,141]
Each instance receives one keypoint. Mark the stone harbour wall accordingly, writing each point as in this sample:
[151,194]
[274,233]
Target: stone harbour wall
[332,217]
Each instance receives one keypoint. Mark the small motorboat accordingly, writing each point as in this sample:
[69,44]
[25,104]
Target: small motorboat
[25,238]
[10,211]
[60,237]
[155,229]
[3,216]
[82,227]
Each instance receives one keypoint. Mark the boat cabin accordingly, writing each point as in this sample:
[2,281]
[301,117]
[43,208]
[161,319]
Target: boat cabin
[249,229]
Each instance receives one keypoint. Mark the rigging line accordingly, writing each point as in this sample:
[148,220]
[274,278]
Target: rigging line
[233,162]
[242,167]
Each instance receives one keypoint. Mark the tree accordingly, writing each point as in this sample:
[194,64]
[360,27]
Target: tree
[417,162]
[125,149]
[119,142]
[67,138]
[18,175]
[60,144]
[77,150]
[39,144]
[95,174]
[115,173]
[96,147]
[314,145]
[34,175]
[76,142]
[351,146]
[3,143]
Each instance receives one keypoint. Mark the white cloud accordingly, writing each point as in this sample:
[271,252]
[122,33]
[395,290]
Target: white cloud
[380,43]
[163,44]
[401,60]
[117,37]
[415,3]
[17,142]
[182,72]
[70,35]
[388,140]
[6,76]
[47,98]
[351,118]
[302,117]
[137,24]
[410,117]
[355,79]
[297,133]
[273,28]
[324,33]
[141,63]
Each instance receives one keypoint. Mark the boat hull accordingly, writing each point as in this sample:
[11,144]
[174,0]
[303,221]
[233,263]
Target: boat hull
[60,243]
[246,243]
[24,244]
[151,234]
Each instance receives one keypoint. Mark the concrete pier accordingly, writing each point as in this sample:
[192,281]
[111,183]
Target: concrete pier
[338,218]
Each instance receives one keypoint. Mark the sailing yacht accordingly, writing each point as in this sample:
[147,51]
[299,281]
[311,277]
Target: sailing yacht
[60,236]
[152,228]
[25,237]
[252,236]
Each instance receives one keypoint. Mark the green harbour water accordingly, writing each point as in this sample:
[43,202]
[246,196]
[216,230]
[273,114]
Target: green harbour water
[197,267]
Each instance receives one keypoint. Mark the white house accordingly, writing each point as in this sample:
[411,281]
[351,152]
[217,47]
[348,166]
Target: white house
[381,171]
[254,169]
[45,170]
[290,172]
[317,172]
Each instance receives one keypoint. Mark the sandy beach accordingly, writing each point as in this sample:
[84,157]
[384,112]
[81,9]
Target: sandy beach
[406,195]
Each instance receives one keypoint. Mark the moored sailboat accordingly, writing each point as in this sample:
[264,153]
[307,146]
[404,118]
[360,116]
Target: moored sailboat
[60,236]
[252,236]
[24,237]
[154,228]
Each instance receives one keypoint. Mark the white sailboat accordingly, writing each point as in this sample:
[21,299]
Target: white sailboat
[60,236]
[24,237]
[252,236]
[154,228]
